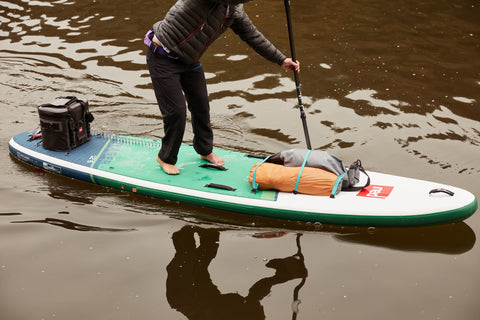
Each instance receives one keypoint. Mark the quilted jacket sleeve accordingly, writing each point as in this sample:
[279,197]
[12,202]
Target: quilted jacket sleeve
[244,27]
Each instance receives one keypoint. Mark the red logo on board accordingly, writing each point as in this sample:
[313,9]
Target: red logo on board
[378,192]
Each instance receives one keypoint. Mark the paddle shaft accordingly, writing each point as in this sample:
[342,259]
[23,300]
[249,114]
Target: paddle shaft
[297,289]
[295,73]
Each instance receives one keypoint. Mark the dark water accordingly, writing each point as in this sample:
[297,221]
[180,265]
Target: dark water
[394,83]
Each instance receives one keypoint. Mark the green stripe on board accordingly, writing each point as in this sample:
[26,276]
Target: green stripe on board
[98,157]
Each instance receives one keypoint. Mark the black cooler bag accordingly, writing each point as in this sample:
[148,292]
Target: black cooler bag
[65,123]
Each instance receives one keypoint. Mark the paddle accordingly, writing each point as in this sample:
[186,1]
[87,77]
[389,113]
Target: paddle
[295,73]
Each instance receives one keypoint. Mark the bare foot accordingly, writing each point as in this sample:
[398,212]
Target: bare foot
[213,158]
[168,168]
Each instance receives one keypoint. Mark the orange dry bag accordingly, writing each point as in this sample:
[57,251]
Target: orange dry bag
[310,180]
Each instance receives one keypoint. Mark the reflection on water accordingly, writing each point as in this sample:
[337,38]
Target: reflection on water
[72,225]
[191,291]
[454,238]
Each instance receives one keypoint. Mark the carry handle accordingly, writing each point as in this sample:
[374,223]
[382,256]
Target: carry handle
[213,166]
[220,186]
[71,99]
[438,190]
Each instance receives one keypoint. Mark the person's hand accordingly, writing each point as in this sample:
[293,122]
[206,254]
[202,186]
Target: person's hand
[289,64]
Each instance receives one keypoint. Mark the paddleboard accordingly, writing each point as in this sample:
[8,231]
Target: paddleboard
[129,163]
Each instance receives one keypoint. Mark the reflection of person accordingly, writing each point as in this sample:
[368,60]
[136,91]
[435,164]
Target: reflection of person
[190,289]
[175,45]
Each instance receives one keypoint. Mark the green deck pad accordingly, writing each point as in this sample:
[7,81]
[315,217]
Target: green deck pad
[136,157]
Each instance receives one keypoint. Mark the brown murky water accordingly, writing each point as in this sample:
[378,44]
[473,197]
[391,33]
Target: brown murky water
[396,84]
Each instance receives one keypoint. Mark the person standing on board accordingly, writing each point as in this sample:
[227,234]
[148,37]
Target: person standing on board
[175,45]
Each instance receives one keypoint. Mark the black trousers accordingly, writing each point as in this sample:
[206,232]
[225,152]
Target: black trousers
[178,86]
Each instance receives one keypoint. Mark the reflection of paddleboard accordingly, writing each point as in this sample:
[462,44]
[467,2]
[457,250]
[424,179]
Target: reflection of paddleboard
[452,238]
[129,164]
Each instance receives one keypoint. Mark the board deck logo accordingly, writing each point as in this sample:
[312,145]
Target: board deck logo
[374,191]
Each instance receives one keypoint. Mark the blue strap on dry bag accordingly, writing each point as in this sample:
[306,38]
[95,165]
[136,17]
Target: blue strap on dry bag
[301,170]
[335,186]
[254,184]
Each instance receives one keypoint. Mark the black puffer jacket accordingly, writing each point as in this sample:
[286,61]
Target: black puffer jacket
[190,26]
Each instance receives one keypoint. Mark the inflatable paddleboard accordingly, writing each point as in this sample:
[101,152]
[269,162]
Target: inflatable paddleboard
[129,164]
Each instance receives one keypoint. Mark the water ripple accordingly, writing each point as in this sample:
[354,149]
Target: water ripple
[73,226]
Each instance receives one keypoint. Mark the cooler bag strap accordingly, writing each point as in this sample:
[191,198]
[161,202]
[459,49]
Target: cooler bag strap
[71,99]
